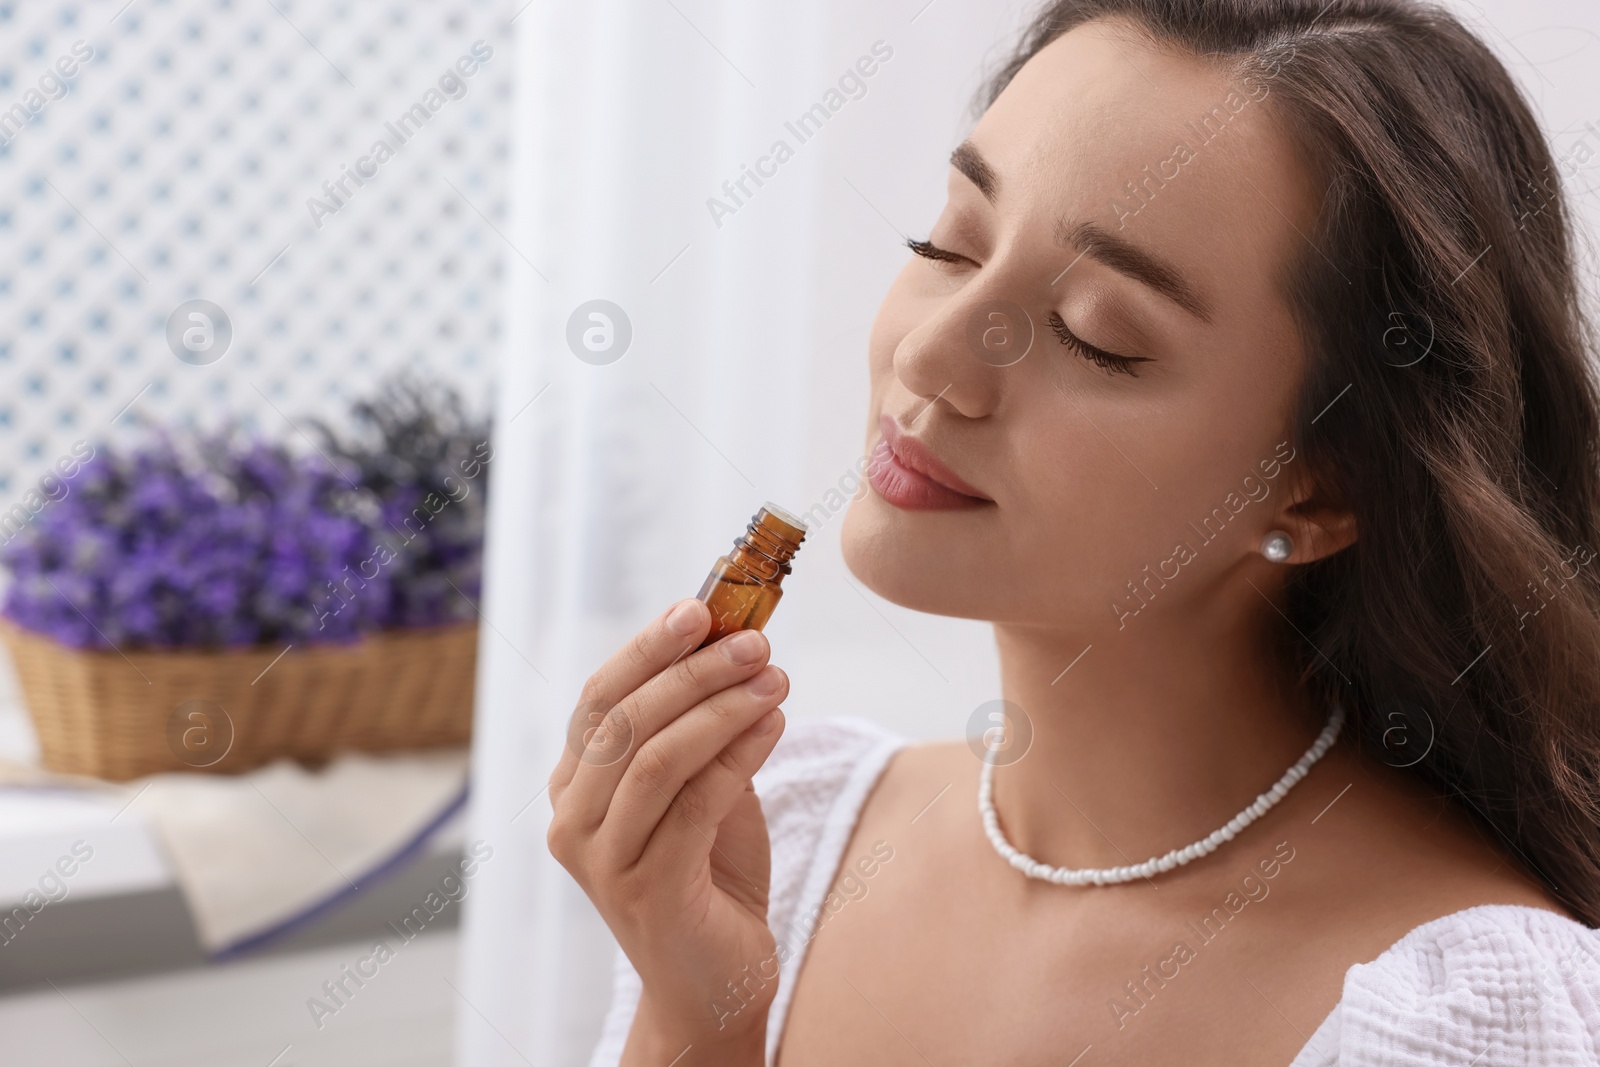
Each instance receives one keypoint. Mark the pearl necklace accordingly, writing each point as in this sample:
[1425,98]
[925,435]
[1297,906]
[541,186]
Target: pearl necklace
[1159,864]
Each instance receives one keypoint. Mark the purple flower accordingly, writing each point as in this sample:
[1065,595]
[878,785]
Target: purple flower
[222,540]
[222,543]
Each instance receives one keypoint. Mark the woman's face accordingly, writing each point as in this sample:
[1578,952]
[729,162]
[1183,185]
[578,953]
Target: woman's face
[1089,204]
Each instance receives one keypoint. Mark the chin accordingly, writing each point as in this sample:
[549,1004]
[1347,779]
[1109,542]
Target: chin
[910,559]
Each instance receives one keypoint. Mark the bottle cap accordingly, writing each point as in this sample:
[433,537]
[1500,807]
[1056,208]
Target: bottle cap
[784,517]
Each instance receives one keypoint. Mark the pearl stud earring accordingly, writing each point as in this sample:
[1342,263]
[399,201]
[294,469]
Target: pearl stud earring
[1277,546]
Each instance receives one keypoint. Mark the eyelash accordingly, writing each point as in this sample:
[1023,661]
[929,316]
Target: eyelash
[1108,361]
[929,250]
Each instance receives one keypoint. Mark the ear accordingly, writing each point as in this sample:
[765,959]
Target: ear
[1318,527]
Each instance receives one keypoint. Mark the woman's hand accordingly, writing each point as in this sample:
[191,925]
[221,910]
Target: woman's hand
[656,818]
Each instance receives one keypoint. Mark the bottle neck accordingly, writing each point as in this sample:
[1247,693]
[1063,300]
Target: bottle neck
[763,552]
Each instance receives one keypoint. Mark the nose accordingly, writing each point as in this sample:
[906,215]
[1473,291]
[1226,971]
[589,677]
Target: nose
[965,351]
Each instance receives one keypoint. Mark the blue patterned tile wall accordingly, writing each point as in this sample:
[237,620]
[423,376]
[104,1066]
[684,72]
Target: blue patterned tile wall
[154,153]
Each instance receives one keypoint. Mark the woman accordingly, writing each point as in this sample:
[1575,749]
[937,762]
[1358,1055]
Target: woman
[1285,519]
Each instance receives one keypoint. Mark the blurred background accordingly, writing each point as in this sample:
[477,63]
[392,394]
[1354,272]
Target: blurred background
[368,373]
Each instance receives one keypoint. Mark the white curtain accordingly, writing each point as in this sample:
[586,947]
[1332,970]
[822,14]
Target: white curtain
[617,485]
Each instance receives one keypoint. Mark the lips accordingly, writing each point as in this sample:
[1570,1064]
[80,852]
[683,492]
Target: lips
[907,474]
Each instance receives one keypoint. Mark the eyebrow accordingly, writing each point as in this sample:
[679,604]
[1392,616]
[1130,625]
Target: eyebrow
[1091,239]
[967,159]
[1125,257]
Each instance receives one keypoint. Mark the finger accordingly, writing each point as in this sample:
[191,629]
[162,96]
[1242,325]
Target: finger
[641,714]
[687,832]
[674,632]
[665,764]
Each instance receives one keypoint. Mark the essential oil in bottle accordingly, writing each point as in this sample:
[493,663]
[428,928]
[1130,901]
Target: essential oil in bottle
[743,586]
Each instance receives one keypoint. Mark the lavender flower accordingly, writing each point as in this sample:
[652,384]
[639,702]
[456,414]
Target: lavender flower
[222,540]
[226,543]
[426,462]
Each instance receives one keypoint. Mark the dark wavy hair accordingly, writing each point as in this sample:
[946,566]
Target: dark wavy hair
[1449,403]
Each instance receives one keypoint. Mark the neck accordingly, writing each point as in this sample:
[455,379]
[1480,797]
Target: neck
[1153,738]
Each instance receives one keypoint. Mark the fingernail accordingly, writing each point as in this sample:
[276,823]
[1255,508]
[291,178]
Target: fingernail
[742,648]
[769,681]
[766,724]
[684,618]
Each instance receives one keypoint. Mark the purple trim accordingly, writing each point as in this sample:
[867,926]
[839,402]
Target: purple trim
[407,852]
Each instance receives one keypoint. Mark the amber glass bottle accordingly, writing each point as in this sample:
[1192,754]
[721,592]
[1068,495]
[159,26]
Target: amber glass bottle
[743,586]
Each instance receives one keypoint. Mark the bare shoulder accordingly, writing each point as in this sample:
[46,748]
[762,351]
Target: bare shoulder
[1377,854]
[1422,851]
[919,774]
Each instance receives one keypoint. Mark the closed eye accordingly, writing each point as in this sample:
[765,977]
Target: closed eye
[1109,361]
[929,250]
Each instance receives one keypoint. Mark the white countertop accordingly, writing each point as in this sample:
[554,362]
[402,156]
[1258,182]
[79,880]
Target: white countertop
[39,825]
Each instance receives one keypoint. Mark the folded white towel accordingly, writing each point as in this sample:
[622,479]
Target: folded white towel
[256,852]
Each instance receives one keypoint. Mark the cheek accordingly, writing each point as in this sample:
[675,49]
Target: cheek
[1079,500]
[1078,504]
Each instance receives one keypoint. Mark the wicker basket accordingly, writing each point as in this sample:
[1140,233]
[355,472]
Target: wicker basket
[121,716]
